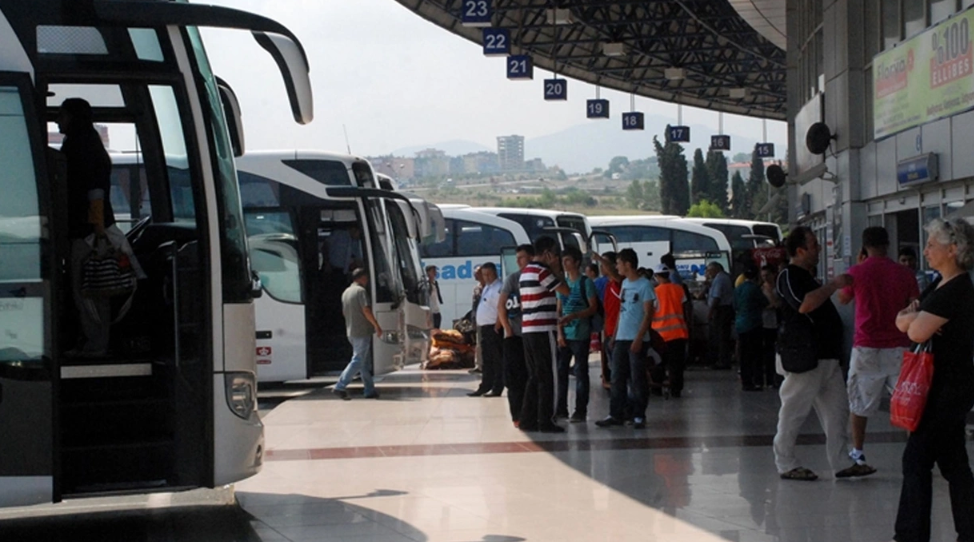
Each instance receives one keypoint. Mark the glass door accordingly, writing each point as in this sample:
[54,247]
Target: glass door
[26,367]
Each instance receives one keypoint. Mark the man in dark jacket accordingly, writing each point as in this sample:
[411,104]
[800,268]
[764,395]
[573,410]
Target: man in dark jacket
[88,178]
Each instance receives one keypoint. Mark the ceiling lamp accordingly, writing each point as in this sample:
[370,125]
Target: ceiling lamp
[675,74]
[615,48]
[560,16]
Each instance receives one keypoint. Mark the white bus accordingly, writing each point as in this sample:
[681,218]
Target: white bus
[743,236]
[561,225]
[418,320]
[692,245]
[173,405]
[311,217]
[472,238]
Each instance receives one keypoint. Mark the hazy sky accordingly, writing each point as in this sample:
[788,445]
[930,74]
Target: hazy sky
[395,80]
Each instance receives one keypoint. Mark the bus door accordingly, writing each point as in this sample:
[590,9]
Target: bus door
[388,350]
[406,229]
[27,366]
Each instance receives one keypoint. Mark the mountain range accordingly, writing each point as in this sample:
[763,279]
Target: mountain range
[584,147]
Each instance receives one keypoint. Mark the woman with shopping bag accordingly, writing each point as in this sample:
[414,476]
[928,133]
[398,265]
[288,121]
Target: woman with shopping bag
[944,317]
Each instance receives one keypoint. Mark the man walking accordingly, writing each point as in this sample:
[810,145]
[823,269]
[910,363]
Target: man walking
[721,315]
[492,382]
[810,323]
[360,324]
[881,288]
[539,322]
[670,321]
[509,316]
[630,345]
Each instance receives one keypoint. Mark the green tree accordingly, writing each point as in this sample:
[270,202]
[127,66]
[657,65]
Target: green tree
[740,157]
[674,189]
[700,179]
[717,167]
[739,199]
[634,195]
[643,195]
[705,209]
[757,188]
[617,165]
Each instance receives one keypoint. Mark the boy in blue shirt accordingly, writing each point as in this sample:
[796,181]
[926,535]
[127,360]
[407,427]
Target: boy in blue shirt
[630,345]
[575,312]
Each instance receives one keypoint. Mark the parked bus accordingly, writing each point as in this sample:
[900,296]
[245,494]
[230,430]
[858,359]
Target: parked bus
[418,316]
[537,222]
[692,245]
[311,218]
[472,238]
[172,406]
[743,236]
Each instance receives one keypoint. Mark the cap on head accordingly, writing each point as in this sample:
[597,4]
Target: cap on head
[663,269]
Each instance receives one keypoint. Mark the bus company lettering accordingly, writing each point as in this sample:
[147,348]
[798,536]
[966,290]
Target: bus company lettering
[462,271]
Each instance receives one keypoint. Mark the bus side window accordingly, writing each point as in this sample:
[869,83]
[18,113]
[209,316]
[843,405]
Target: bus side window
[443,249]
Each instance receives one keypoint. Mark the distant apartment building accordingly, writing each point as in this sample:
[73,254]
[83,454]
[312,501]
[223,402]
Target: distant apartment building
[510,152]
[432,163]
[481,162]
[534,165]
[397,167]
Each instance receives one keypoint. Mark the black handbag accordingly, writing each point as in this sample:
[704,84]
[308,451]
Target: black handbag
[798,353]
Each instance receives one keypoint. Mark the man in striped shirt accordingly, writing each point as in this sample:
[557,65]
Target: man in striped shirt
[540,280]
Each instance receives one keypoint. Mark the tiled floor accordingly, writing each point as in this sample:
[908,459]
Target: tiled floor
[426,463]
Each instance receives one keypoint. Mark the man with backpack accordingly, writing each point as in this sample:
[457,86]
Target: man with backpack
[575,311]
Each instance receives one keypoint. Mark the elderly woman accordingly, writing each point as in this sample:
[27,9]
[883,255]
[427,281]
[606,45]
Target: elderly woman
[944,315]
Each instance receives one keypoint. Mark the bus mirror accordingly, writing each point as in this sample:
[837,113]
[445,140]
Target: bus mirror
[256,287]
[232,114]
[291,60]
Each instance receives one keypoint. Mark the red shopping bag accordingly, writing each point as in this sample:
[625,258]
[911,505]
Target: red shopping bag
[910,397]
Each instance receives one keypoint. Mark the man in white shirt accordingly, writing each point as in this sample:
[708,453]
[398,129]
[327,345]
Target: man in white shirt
[491,339]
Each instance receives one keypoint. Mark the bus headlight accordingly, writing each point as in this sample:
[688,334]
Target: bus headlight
[241,393]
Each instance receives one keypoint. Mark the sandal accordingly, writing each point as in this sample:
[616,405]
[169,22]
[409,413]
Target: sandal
[799,473]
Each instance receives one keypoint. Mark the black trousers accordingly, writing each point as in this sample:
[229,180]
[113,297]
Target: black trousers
[492,353]
[721,340]
[751,343]
[674,363]
[515,374]
[938,439]
[539,394]
[769,337]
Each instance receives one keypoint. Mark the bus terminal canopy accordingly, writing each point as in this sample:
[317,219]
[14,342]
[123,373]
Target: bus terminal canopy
[698,53]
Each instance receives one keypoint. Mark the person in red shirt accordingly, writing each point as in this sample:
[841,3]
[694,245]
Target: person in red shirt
[881,288]
[610,295]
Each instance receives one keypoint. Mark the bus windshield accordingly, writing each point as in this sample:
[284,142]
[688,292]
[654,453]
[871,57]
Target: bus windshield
[407,255]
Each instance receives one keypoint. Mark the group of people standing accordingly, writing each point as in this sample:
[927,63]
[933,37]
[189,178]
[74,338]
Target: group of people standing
[545,314]
[890,315]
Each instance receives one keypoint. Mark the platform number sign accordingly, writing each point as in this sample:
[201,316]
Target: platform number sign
[720,143]
[497,41]
[520,67]
[597,109]
[555,89]
[764,150]
[679,134]
[476,13]
[633,121]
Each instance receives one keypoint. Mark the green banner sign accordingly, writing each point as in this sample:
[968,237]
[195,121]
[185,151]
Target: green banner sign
[924,78]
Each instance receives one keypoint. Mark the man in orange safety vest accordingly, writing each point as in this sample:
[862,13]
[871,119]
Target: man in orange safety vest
[670,321]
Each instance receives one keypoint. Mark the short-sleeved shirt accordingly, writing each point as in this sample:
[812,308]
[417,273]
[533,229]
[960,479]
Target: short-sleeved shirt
[601,284]
[512,289]
[953,345]
[632,311]
[354,299]
[487,308]
[88,170]
[610,306]
[539,307]
[577,300]
[822,327]
[881,288]
[749,303]
[721,291]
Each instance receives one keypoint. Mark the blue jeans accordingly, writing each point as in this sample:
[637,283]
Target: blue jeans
[579,351]
[630,387]
[361,362]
